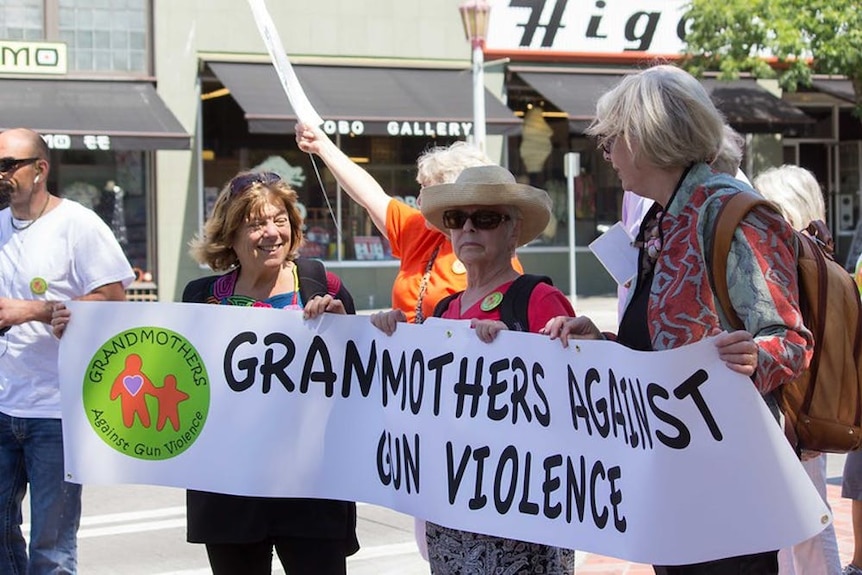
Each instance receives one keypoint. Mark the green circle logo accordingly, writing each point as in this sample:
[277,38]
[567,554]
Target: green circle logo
[146,393]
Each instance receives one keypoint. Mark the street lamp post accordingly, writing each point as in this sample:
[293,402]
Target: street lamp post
[474,15]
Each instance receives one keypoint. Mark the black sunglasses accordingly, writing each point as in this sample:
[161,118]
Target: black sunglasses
[241,183]
[11,164]
[482,219]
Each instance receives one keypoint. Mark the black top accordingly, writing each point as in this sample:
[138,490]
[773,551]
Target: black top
[220,518]
[634,328]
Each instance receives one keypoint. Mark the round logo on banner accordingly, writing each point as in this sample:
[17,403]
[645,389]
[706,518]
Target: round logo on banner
[146,393]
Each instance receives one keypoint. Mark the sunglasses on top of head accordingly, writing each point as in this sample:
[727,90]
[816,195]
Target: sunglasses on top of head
[241,183]
[11,164]
[482,219]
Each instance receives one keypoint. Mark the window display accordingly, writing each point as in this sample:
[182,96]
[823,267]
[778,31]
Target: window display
[113,184]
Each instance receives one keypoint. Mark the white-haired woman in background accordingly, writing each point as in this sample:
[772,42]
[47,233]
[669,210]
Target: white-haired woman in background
[799,198]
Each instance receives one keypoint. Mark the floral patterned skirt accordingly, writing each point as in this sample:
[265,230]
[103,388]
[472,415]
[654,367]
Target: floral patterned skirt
[454,552]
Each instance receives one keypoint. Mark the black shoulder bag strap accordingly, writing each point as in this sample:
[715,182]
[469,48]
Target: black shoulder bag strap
[312,278]
[197,291]
[516,301]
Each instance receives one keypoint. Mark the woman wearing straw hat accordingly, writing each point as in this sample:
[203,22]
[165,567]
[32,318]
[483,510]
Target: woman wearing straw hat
[428,270]
[487,214]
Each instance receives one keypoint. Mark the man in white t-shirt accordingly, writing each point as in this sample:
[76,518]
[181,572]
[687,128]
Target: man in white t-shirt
[51,250]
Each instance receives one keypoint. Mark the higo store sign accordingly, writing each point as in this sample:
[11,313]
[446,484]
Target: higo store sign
[597,27]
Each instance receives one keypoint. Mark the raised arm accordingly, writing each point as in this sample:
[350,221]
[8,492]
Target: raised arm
[358,183]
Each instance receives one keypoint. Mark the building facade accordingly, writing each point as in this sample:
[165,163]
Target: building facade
[171,99]
[81,73]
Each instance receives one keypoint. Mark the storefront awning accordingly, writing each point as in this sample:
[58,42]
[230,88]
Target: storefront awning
[751,108]
[747,106]
[842,89]
[574,94]
[375,101]
[92,115]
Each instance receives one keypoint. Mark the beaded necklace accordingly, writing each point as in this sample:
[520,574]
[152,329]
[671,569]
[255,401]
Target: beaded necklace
[423,286]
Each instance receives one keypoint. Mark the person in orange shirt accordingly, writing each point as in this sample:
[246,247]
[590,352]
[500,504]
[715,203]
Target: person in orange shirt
[429,269]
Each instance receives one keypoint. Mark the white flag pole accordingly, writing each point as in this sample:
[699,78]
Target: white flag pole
[292,88]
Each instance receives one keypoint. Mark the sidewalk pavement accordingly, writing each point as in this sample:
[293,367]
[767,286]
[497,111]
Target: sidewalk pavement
[598,564]
[601,309]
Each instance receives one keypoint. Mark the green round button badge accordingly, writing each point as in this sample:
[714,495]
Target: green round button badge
[491,301]
[38,286]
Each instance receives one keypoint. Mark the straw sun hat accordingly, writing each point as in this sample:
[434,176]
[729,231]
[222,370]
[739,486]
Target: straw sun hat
[488,186]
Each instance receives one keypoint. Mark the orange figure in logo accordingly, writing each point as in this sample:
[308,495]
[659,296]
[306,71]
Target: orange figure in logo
[132,387]
[169,399]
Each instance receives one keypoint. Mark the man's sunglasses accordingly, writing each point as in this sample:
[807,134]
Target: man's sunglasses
[11,164]
[241,183]
[482,219]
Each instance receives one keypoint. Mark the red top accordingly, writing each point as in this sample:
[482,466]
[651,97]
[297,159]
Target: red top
[546,302]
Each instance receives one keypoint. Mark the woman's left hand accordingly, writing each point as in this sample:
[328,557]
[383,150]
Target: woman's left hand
[487,329]
[738,350]
[565,328]
[320,304]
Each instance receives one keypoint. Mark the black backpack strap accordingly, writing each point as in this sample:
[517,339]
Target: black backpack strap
[312,278]
[313,281]
[516,301]
[443,304]
[338,290]
[197,291]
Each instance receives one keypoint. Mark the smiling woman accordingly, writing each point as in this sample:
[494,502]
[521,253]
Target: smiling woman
[254,234]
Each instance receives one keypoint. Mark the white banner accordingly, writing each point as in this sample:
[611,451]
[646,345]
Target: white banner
[664,457]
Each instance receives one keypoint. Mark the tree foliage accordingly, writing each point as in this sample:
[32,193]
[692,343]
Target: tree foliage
[787,39]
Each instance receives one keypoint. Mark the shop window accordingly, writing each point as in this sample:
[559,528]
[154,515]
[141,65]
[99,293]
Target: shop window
[105,35]
[22,20]
[596,189]
[101,35]
[113,184]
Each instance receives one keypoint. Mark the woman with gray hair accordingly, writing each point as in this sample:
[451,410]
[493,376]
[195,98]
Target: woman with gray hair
[660,130]
[798,196]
